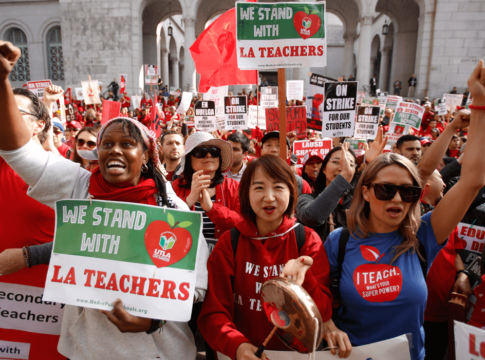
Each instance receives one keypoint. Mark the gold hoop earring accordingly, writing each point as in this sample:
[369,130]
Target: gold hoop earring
[144,168]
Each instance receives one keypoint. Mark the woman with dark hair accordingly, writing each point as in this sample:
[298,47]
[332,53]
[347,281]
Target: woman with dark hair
[129,171]
[84,140]
[203,187]
[312,163]
[325,209]
[232,320]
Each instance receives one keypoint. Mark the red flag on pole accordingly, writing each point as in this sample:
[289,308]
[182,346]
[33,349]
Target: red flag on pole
[214,54]
[155,118]
[111,109]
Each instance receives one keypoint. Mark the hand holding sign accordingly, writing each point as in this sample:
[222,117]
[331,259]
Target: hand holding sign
[125,322]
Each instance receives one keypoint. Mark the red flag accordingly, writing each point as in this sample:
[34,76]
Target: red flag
[214,54]
[111,109]
[155,118]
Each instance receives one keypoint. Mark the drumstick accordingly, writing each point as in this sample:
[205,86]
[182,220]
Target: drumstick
[259,352]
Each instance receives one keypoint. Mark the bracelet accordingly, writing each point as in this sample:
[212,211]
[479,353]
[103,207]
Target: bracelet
[473,107]
[27,257]
[156,324]
[466,272]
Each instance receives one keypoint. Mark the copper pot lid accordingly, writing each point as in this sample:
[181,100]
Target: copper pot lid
[292,310]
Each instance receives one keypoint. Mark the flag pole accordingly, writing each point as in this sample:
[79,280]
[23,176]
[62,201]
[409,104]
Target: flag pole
[282,110]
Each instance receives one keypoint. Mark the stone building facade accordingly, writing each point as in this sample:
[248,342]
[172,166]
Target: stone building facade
[67,40]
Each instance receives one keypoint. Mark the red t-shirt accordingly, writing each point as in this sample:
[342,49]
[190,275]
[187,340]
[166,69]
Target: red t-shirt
[170,175]
[126,102]
[24,222]
[454,153]
[63,149]
[144,101]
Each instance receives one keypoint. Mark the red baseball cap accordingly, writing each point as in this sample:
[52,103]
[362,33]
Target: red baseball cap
[425,141]
[74,124]
[310,155]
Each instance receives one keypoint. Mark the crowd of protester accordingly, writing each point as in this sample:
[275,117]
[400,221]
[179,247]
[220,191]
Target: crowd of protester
[401,206]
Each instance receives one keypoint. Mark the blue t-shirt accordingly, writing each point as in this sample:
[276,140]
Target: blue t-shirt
[382,301]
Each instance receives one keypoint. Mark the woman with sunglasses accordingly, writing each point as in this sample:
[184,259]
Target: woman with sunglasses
[390,247]
[85,140]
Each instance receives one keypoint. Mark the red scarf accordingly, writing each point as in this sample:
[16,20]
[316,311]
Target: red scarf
[142,193]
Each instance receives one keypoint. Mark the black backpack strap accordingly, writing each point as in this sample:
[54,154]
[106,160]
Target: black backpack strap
[342,244]
[234,240]
[423,263]
[300,236]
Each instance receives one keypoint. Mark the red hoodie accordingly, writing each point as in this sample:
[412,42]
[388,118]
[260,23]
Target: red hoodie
[232,312]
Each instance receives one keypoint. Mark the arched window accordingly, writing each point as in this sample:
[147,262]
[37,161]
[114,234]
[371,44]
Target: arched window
[54,52]
[21,70]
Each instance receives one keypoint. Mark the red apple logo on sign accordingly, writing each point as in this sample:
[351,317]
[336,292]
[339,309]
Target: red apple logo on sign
[307,23]
[167,243]
[377,282]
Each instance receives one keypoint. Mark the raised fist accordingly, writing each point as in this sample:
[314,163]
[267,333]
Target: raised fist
[9,55]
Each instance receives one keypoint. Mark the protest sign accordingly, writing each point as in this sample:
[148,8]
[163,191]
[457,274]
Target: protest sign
[472,238]
[144,255]
[37,87]
[123,78]
[453,100]
[78,94]
[185,102]
[205,116]
[314,102]
[175,91]
[360,96]
[217,95]
[269,97]
[70,113]
[395,349]
[236,112]
[367,121]
[295,120]
[280,35]
[294,90]
[382,97]
[392,138]
[136,101]
[256,117]
[151,77]
[356,145]
[393,101]
[440,107]
[409,114]
[339,109]
[301,148]
[190,120]
[91,92]
[111,109]
[469,342]
[68,96]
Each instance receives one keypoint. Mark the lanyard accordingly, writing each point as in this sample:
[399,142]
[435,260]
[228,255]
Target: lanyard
[270,237]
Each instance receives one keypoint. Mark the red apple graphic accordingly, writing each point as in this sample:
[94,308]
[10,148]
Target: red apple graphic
[377,282]
[167,243]
[307,24]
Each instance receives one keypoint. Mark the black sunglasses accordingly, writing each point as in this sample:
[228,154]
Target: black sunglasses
[90,144]
[202,152]
[387,192]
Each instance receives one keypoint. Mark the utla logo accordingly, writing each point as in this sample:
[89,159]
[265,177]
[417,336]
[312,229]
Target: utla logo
[168,243]
[377,282]
[307,23]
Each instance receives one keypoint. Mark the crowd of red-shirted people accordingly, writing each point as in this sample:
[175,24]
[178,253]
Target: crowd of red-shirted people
[406,206]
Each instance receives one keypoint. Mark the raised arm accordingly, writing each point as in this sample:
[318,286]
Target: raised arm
[13,131]
[456,202]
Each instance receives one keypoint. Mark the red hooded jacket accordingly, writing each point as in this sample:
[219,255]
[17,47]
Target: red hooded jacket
[225,210]
[232,312]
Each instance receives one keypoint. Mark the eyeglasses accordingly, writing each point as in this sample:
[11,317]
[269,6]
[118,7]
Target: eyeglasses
[71,129]
[23,112]
[89,144]
[57,131]
[202,152]
[387,192]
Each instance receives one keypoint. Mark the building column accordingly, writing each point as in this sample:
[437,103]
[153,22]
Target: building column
[365,39]
[348,55]
[175,72]
[384,71]
[164,65]
[189,66]
[373,66]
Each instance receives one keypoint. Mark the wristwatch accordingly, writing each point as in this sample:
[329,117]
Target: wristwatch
[466,272]
[156,324]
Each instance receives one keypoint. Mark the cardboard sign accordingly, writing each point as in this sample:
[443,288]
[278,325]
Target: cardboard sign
[356,145]
[256,117]
[217,95]
[91,92]
[294,90]
[185,102]
[123,78]
[175,91]
[37,87]
[236,112]
[393,101]
[440,107]
[144,255]
[453,100]
[280,35]
[409,114]
[367,121]
[205,116]
[151,77]
[269,97]
[136,101]
[339,109]
[295,119]
[469,342]
[314,102]
[301,148]
[111,109]
[78,94]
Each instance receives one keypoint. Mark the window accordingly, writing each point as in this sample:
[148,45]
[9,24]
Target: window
[20,71]
[54,52]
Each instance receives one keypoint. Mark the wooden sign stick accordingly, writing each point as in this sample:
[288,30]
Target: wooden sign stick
[282,109]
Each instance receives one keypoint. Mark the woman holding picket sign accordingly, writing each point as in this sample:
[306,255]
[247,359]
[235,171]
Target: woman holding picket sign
[128,172]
